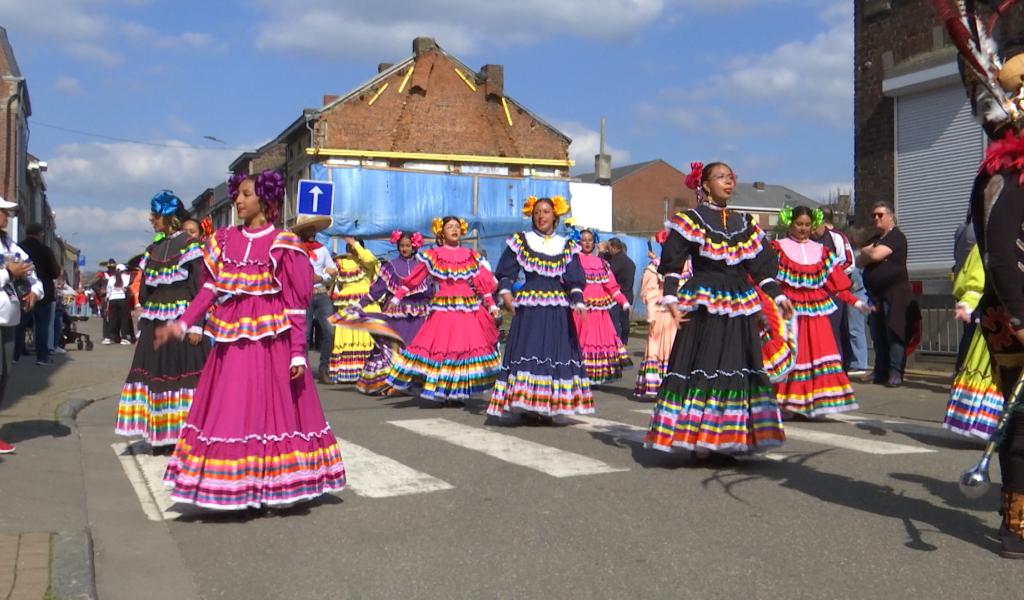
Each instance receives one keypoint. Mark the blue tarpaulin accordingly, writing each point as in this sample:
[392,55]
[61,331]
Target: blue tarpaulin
[371,203]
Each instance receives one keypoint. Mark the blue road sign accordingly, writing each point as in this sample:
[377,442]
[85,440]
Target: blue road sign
[81,260]
[315,197]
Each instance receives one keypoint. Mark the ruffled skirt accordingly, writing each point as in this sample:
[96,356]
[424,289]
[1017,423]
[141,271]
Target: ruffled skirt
[602,351]
[975,402]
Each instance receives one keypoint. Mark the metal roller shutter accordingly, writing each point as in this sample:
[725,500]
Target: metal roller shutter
[938,148]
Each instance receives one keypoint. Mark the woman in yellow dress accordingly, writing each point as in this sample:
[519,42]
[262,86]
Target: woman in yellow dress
[357,268]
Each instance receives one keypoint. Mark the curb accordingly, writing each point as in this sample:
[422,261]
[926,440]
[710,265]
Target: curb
[72,574]
[69,409]
[72,570]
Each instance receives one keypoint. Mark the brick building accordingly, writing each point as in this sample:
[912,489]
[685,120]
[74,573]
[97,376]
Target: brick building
[429,113]
[16,109]
[916,142]
[645,194]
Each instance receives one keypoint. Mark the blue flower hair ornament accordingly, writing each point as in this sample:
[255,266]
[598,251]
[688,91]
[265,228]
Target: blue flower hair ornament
[572,233]
[165,203]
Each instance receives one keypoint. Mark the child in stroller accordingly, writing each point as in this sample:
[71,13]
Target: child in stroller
[70,335]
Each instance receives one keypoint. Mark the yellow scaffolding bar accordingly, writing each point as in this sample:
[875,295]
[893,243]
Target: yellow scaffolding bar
[426,156]
[405,79]
[380,91]
[465,79]
[508,115]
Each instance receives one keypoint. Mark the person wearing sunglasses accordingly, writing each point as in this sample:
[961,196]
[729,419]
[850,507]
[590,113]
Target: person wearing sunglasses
[896,319]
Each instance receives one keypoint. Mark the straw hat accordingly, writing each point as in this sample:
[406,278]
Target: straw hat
[305,223]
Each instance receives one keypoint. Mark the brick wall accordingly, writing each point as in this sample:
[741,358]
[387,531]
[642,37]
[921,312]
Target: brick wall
[882,36]
[438,113]
[638,199]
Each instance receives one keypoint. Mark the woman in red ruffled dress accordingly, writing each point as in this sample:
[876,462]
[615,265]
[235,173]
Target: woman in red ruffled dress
[808,273]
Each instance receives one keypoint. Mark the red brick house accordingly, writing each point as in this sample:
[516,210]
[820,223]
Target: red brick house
[430,113]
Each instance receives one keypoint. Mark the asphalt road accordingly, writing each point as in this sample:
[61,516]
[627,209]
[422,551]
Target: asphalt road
[447,503]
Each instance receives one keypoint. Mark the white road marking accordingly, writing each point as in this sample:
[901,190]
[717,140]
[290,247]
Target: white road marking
[376,476]
[622,431]
[145,473]
[548,460]
[848,442]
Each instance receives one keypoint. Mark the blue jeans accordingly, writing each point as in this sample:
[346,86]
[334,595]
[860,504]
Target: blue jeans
[858,336]
[42,327]
[890,351]
[320,309]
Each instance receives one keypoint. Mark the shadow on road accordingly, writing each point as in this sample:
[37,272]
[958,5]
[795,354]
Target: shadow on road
[191,514]
[919,517]
[21,431]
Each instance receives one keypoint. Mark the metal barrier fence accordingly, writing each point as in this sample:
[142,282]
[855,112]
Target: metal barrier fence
[940,331]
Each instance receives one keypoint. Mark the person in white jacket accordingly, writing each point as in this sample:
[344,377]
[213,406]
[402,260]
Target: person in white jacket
[16,275]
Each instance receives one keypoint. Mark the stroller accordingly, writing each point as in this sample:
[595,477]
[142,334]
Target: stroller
[70,335]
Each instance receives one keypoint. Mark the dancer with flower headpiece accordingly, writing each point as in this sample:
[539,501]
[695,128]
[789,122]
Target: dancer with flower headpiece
[256,435]
[717,395]
[161,383]
[454,355]
[661,327]
[603,352]
[352,347]
[404,317]
[811,275]
[542,373]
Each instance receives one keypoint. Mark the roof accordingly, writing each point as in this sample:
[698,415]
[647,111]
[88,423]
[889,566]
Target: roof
[772,197]
[13,70]
[623,171]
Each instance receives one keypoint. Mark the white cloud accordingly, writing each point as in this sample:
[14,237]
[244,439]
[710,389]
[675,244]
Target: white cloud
[586,143]
[144,35]
[387,27]
[102,233]
[68,85]
[126,175]
[90,52]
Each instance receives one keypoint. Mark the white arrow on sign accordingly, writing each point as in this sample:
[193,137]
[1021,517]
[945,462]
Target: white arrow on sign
[315,192]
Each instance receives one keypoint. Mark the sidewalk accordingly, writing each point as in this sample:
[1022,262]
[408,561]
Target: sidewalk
[43,521]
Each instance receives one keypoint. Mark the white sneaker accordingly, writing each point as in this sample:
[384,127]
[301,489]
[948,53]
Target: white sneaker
[125,343]
[59,350]
[106,342]
[856,373]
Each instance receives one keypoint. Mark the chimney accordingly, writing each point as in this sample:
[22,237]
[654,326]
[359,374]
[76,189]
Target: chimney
[759,186]
[328,98]
[381,67]
[494,80]
[603,162]
[423,44]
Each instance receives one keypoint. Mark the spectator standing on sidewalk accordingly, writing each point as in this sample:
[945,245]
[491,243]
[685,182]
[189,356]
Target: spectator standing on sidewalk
[624,270]
[895,325]
[19,287]
[118,314]
[47,270]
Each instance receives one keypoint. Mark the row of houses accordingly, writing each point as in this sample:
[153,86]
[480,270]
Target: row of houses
[24,180]
[429,135]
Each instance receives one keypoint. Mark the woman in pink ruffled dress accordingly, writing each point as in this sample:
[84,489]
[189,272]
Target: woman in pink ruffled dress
[603,351]
[256,434]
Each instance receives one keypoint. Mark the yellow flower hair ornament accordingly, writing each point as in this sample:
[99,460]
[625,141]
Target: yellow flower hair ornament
[558,204]
[437,226]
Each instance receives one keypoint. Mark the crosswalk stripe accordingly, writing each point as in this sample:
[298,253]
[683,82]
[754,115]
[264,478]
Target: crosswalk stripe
[847,442]
[145,473]
[376,476]
[546,459]
[622,431]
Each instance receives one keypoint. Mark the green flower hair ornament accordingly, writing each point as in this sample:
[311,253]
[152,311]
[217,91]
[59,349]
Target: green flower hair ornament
[819,218]
[786,216]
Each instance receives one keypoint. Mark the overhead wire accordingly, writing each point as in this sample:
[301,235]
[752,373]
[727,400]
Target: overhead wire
[131,141]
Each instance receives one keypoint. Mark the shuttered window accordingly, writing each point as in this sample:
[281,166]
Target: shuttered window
[939,146]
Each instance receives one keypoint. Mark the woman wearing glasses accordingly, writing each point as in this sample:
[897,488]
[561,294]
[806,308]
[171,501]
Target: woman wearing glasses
[716,395]
[895,324]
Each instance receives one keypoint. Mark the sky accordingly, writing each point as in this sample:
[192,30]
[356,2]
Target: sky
[125,92]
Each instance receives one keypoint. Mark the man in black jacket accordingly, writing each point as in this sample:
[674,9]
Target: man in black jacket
[47,269]
[624,270]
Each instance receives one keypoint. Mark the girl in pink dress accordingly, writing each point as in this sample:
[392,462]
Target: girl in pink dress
[455,353]
[603,352]
[256,434]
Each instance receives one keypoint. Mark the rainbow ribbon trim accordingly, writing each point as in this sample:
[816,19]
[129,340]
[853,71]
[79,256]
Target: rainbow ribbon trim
[541,264]
[741,246]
